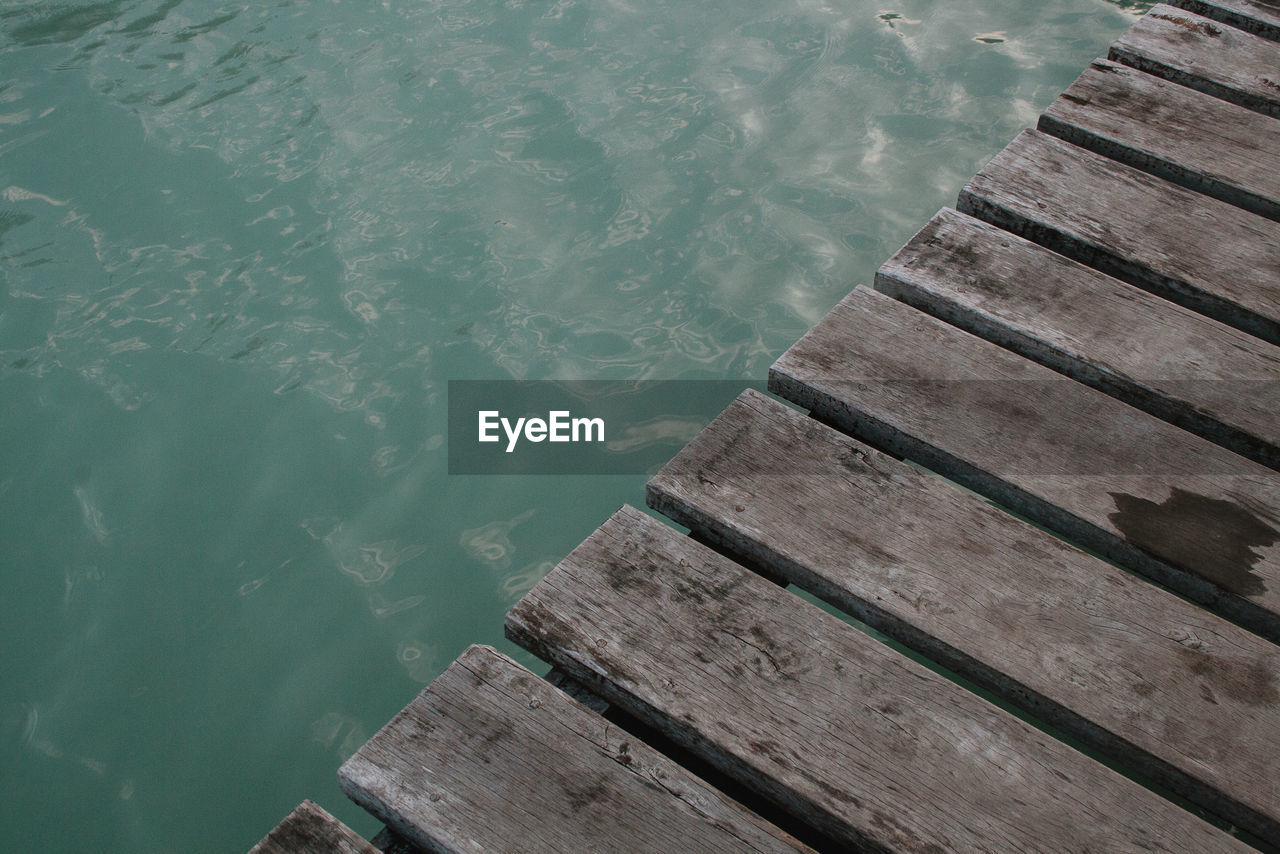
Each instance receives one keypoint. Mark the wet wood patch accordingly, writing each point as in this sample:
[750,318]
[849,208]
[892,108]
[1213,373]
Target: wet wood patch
[1200,252]
[851,736]
[1176,133]
[1165,359]
[492,758]
[1200,53]
[1159,683]
[1100,472]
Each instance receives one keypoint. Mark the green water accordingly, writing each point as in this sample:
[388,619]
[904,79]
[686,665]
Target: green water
[244,248]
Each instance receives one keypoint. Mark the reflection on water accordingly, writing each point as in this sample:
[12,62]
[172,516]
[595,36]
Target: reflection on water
[490,544]
[244,247]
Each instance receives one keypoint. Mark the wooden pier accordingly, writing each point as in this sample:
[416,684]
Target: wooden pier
[1037,468]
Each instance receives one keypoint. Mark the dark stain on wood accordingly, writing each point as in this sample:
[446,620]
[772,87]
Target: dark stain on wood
[1248,682]
[833,792]
[768,749]
[623,578]
[687,593]
[1210,537]
[584,794]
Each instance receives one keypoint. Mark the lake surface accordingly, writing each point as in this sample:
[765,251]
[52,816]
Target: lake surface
[244,248]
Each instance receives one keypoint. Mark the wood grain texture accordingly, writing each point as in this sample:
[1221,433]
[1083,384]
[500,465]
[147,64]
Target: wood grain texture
[1196,52]
[851,736]
[1197,251]
[491,758]
[1175,133]
[1161,685]
[1164,359]
[1260,17]
[1166,503]
[311,830]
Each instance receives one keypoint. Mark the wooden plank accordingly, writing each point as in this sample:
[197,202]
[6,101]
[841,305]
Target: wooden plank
[851,736]
[1164,359]
[1162,685]
[1199,252]
[1173,132]
[311,830]
[1260,17]
[1166,503]
[489,757]
[1193,51]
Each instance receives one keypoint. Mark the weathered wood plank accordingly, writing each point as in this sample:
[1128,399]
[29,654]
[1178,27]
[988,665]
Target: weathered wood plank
[1197,251]
[1193,51]
[491,758]
[1173,132]
[853,737]
[1164,359]
[1260,17]
[1187,698]
[311,830]
[1166,503]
